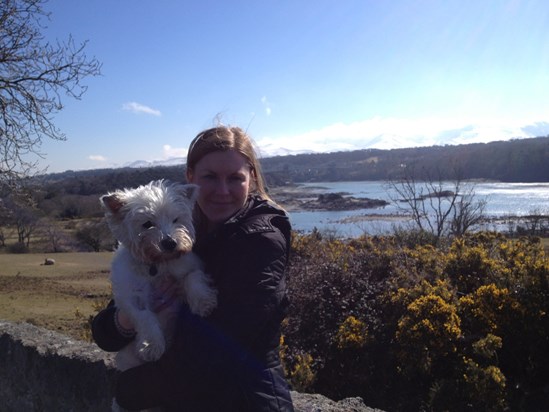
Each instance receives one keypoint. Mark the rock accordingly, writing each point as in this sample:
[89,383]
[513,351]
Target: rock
[45,370]
[336,201]
[305,402]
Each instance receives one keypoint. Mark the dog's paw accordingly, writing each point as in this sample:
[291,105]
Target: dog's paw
[203,304]
[151,349]
[115,407]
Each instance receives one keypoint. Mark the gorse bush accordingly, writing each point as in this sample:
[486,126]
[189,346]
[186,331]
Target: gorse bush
[410,326]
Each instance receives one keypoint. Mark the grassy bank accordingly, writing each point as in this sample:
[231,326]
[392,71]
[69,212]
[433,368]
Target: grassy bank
[60,296]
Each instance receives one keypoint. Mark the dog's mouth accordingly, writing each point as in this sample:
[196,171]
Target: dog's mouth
[159,258]
[164,256]
[156,251]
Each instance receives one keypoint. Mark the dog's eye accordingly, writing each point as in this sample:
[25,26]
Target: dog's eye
[148,224]
[175,220]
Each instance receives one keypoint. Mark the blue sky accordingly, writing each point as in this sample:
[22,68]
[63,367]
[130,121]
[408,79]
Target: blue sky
[300,75]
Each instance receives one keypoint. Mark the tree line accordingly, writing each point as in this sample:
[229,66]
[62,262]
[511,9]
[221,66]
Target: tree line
[42,204]
[525,160]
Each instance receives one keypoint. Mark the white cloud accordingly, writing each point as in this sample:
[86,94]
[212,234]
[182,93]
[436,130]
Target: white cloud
[138,108]
[266,105]
[392,133]
[171,152]
[97,158]
[383,133]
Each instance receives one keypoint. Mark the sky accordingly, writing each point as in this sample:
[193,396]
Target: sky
[299,75]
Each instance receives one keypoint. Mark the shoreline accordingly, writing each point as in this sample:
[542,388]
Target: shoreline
[299,198]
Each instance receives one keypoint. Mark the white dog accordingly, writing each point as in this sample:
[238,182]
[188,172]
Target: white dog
[153,224]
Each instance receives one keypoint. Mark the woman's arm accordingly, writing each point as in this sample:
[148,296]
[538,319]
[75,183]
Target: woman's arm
[252,289]
[108,332]
[249,274]
[233,340]
[112,329]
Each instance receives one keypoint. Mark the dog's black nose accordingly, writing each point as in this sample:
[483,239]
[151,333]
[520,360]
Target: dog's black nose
[168,244]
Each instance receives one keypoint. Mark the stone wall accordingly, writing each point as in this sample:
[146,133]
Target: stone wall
[41,370]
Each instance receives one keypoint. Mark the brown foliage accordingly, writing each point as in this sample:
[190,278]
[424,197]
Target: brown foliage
[421,327]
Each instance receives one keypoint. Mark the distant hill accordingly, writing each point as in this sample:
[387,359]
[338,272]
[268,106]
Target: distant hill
[524,160]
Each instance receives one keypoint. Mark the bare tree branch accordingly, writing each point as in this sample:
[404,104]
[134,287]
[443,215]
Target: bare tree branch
[437,206]
[34,77]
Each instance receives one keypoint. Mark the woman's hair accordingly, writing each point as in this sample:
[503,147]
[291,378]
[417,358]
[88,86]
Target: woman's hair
[223,138]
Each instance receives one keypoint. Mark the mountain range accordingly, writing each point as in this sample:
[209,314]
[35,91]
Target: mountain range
[384,134]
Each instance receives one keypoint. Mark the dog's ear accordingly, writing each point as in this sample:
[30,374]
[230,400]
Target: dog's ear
[190,191]
[112,202]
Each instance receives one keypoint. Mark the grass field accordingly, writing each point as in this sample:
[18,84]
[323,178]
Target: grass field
[62,296]
[58,297]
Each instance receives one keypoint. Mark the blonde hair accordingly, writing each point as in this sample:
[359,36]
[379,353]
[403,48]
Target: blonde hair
[223,138]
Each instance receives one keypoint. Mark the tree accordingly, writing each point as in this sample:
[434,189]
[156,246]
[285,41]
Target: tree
[437,206]
[34,75]
[5,219]
[23,215]
[93,235]
[54,236]
[535,222]
[467,211]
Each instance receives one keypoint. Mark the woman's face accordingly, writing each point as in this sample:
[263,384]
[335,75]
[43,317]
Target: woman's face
[224,178]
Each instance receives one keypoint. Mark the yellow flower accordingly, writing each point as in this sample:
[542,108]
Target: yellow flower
[352,333]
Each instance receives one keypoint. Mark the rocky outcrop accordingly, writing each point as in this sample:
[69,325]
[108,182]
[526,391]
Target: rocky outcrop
[337,201]
[42,370]
[298,198]
[305,402]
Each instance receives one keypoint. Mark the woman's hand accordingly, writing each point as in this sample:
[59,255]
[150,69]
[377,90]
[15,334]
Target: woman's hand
[123,323]
[164,294]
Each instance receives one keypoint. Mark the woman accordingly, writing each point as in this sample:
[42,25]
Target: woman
[229,360]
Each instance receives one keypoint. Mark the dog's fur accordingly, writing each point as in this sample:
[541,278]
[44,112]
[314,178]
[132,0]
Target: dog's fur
[153,224]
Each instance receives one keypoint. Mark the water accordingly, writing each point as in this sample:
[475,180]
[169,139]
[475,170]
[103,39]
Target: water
[502,200]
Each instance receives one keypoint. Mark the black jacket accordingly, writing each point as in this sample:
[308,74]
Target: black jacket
[229,360]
